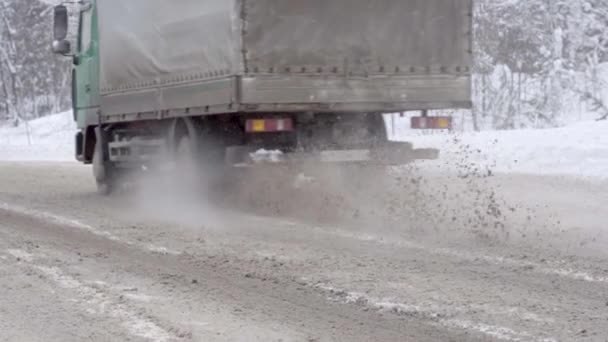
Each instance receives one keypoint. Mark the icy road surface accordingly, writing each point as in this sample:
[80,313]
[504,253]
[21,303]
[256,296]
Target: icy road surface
[75,266]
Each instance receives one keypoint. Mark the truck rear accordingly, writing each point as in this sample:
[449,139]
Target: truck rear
[219,79]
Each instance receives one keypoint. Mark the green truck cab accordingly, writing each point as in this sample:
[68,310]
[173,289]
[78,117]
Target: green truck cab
[85,71]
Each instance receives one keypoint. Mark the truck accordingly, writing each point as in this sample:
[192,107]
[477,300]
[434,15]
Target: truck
[217,80]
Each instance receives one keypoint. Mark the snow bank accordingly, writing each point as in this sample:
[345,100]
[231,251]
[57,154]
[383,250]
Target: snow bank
[577,150]
[50,139]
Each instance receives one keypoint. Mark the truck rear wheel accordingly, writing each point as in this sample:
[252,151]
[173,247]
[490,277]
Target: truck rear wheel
[186,161]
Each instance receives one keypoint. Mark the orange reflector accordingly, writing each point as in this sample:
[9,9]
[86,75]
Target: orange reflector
[432,122]
[258,126]
[269,125]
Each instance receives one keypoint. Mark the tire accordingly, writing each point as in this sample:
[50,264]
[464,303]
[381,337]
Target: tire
[187,163]
[377,129]
[103,173]
[104,188]
[186,157]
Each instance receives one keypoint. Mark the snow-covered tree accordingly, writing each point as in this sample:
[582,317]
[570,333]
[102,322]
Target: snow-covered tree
[33,82]
[540,62]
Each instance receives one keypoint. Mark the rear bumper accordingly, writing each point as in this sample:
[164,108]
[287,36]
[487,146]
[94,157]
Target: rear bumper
[141,152]
[392,154]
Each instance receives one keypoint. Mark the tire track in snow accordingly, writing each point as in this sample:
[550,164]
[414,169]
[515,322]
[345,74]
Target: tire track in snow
[73,223]
[569,273]
[98,302]
[435,317]
[497,332]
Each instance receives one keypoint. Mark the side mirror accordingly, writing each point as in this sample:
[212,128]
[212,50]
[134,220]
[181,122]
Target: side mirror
[60,31]
[60,23]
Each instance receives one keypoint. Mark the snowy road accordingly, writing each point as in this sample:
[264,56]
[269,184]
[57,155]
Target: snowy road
[75,266]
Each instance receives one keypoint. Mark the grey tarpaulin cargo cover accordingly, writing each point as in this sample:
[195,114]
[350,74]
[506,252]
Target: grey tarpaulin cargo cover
[214,56]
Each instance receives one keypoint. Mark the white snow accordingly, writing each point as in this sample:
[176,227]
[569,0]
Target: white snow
[443,313]
[102,303]
[50,139]
[51,2]
[579,150]
[265,156]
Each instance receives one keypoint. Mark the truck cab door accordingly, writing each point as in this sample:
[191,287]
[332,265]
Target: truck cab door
[85,74]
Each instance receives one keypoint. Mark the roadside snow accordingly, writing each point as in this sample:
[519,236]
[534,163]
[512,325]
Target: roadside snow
[579,150]
[50,139]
